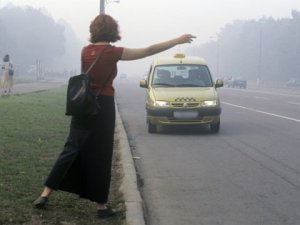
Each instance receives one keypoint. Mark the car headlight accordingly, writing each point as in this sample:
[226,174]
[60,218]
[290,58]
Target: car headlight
[209,103]
[161,103]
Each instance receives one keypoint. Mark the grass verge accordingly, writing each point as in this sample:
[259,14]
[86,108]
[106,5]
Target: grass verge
[33,129]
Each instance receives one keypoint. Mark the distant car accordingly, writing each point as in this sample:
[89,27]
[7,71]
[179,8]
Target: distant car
[293,82]
[237,82]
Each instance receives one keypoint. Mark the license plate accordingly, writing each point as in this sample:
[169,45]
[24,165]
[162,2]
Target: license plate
[185,114]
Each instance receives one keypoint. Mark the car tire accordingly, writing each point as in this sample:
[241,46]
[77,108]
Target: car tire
[151,128]
[215,128]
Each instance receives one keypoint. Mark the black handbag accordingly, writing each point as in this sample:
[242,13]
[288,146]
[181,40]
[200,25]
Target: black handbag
[81,100]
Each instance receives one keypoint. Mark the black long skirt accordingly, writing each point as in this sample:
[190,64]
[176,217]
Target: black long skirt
[84,166]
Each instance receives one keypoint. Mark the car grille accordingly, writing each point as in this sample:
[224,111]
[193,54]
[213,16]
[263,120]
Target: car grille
[185,104]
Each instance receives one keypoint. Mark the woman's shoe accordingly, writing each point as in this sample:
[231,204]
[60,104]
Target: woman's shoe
[105,213]
[40,202]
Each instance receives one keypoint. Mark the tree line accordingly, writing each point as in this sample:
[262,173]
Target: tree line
[32,38]
[265,49]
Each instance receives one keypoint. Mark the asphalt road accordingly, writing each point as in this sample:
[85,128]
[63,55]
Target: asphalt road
[248,174]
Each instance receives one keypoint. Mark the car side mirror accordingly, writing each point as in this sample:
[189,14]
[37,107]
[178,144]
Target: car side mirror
[219,83]
[143,84]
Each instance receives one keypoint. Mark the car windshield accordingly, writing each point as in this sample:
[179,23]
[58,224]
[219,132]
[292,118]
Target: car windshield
[182,76]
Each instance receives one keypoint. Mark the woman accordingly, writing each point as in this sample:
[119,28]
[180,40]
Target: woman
[7,77]
[84,166]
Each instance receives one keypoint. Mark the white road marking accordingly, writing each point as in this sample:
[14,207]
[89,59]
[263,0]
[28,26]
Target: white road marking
[264,92]
[294,103]
[264,98]
[263,112]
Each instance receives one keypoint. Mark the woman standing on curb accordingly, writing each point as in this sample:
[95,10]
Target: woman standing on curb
[84,166]
[6,82]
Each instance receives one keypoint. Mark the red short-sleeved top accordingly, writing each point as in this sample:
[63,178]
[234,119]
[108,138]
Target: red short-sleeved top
[105,67]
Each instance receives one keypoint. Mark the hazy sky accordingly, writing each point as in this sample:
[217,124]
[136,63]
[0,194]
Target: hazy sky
[143,22]
[158,19]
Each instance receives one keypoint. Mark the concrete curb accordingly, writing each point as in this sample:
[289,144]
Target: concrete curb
[133,200]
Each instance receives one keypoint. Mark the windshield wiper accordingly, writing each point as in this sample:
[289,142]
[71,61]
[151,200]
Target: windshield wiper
[189,85]
[164,84]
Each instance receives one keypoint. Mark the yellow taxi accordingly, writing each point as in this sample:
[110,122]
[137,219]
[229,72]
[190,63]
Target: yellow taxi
[181,91]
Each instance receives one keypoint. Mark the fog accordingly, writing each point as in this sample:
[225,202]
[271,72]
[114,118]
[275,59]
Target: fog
[145,22]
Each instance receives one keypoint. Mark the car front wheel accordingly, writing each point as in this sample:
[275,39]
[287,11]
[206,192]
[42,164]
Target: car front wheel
[215,128]
[151,128]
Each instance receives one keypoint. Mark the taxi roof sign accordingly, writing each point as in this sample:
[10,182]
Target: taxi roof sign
[179,55]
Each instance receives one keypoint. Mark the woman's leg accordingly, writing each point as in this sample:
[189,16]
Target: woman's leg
[101,206]
[46,192]
[104,140]
[62,166]
[105,211]
[41,201]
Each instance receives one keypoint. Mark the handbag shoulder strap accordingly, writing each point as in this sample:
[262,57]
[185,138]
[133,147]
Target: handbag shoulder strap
[91,66]
[96,60]
[107,79]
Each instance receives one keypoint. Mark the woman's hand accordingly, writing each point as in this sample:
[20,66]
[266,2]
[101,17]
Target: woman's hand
[186,38]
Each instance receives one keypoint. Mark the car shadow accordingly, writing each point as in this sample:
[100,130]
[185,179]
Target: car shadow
[185,130]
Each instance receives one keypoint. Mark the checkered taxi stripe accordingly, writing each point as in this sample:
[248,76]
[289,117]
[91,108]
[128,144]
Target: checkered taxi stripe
[185,99]
[185,102]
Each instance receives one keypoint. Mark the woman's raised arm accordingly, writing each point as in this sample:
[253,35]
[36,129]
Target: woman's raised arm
[138,53]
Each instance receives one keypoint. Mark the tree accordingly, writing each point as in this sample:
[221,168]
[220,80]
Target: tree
[264,48]
[28,34]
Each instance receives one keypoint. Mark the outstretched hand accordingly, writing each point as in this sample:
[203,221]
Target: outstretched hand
[186,38]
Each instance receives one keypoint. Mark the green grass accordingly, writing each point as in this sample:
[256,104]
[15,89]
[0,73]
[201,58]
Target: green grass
[33,129]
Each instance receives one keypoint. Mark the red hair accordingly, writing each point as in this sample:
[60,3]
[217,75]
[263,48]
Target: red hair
[104,28]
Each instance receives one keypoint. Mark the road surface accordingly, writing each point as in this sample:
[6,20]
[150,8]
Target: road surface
[248,174]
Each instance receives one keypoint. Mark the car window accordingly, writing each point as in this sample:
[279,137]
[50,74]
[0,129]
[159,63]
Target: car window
[181,76]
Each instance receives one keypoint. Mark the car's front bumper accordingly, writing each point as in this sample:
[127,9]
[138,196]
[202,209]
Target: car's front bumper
[168,117]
